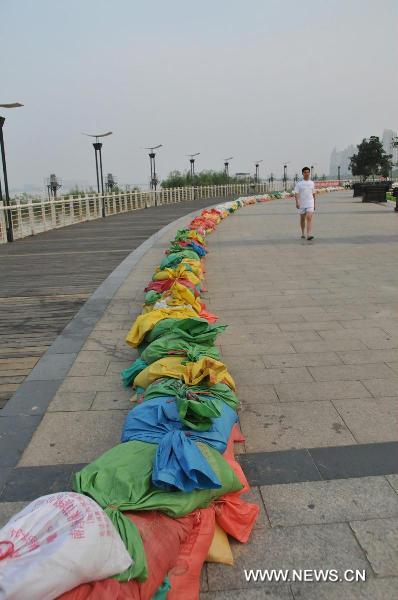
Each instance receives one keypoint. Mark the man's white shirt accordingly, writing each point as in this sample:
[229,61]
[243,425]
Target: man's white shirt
[305,190]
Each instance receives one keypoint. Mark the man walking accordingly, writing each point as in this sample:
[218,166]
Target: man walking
[304,193]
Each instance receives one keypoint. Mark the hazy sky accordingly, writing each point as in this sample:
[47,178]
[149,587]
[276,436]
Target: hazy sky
[254,79]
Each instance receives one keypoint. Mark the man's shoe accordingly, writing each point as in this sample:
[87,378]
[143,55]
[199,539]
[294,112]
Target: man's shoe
[309,238]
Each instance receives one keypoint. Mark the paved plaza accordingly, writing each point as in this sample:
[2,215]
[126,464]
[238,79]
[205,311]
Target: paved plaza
[312,342]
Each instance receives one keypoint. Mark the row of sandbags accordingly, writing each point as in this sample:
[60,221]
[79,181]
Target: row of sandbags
[143,516]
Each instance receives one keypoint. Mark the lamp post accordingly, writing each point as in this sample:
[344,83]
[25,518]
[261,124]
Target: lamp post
[285,176]
[53,184]
[10,234]
[312,169]
[257,173]
[152,155]
[192,164]
[226,165]
[338,173]
[97,150]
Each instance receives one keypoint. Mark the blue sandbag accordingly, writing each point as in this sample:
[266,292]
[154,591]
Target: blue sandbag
[178,462]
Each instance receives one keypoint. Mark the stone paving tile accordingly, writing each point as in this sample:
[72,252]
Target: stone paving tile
[249,349]
[379,539]
[382,387]
[301,547]
[329,501]
[310,325]
[255,376]
[257,394]
[113,400]
[87,368]
[96,383]
[393,481]
[328,390]
[296,425]
[369,419]
[393,366]
[251,362]
[372,589]
[73,437]
[353,372]
[369,356]
[9,509]
[308,359]
[267,591]
[329,345]
[71,401]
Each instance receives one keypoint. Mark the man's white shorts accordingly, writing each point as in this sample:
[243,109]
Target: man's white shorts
[303,211]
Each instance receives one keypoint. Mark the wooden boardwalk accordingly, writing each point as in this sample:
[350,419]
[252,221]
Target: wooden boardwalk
[46,278]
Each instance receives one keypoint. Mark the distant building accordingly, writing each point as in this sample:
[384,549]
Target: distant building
[388,136]
[341,158]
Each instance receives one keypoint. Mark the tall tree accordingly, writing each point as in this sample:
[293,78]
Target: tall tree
[371,159]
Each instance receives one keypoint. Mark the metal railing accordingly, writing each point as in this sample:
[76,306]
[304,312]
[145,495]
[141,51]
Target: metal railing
[38,216]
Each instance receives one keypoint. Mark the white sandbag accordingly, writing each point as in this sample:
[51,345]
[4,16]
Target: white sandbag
[56,543]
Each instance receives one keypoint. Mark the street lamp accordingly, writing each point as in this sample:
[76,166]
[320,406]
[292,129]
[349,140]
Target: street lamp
[10,234]
[53,184]
[257,173]
[154,179]
[312,168]
[192,161]
[97,149]
[285,174]
[226,165]
[338,173]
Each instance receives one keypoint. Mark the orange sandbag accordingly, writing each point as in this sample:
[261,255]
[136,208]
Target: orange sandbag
[236,516]
[185,575]
[233,514]
[163,538]
[229,456]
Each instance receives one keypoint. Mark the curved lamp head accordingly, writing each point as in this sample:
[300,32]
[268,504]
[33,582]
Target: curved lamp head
[98,135]
[152,148]
[11,105]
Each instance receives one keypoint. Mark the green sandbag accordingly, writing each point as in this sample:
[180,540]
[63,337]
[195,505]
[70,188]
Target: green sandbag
[173,345]
[167,345]
[151,297]
[197,405]
[174,259]
[195,330]
[121,480]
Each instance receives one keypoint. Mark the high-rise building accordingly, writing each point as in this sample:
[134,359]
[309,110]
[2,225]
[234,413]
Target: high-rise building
[388,136]
[341,158]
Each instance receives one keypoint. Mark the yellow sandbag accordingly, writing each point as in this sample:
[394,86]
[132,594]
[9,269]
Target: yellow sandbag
[220,550]
[180,272]
[179,294]
[146,322]
[192,373]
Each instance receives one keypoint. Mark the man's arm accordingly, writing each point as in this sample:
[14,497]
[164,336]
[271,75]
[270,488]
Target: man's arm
[314,196]
[297,196]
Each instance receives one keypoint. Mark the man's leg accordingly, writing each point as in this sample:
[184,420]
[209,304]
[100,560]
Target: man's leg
[309,216]
[302,225]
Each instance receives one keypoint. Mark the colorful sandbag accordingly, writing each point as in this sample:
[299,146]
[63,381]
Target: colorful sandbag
[178,463]
[121,480]
[192,373]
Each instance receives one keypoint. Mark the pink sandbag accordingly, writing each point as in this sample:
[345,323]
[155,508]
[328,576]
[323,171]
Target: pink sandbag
[163,538]
[185,575]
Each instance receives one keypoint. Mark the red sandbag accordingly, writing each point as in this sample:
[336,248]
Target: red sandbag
[185,575]
[165,284]
[236,516]
[163,538]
